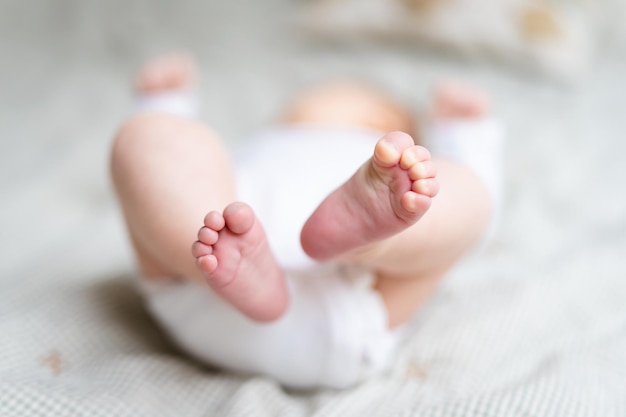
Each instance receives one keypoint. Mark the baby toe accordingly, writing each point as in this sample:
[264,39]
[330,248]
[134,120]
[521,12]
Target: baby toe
[239,217]
[207,264]
[214,220]
[199,249]
[207,236]
[413,155]
[390,147]
[426,186]
[420,170]
[415,203]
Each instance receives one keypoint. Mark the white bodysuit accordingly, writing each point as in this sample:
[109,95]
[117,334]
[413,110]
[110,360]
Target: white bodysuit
[334,332]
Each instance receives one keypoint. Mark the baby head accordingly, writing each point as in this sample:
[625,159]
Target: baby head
[350,104]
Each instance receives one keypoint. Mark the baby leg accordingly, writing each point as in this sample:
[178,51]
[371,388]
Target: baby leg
[168,172]
[168,84]
[466,142]
[409,257]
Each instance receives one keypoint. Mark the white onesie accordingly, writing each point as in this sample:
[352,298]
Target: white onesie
[334,333]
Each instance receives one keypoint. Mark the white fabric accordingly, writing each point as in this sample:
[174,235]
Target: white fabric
[333,334]
[179,102]
[479,144]
[335,331]
[475,143]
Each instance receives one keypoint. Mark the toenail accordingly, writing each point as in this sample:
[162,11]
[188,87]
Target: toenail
[386,153]
[388,146]
[408,160]
[411,202]
[421,186]
[421,170]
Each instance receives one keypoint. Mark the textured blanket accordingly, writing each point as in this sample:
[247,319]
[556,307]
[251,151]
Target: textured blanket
[535,325]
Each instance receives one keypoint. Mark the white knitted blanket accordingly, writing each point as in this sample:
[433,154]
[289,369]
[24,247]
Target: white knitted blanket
[533,326]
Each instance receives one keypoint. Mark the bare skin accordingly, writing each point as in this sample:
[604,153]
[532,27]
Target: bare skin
[173,72]
[408,238]
[389,193]
[233,253]
[350,104]
[455,100]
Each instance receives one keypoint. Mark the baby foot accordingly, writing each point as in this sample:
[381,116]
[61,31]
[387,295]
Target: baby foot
[464,130]
[453,100]
[173,72]
[168,84]
[387,194]
[233,253]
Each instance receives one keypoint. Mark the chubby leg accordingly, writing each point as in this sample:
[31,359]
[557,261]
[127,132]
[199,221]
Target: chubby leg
[410,253]
[168,172]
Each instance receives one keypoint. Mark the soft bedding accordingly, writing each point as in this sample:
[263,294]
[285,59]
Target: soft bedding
[533,326]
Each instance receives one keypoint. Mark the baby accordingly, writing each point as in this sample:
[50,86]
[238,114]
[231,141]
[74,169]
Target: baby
[324,236]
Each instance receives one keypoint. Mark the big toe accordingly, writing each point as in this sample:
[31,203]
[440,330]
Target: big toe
[239,217]
[390,148]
